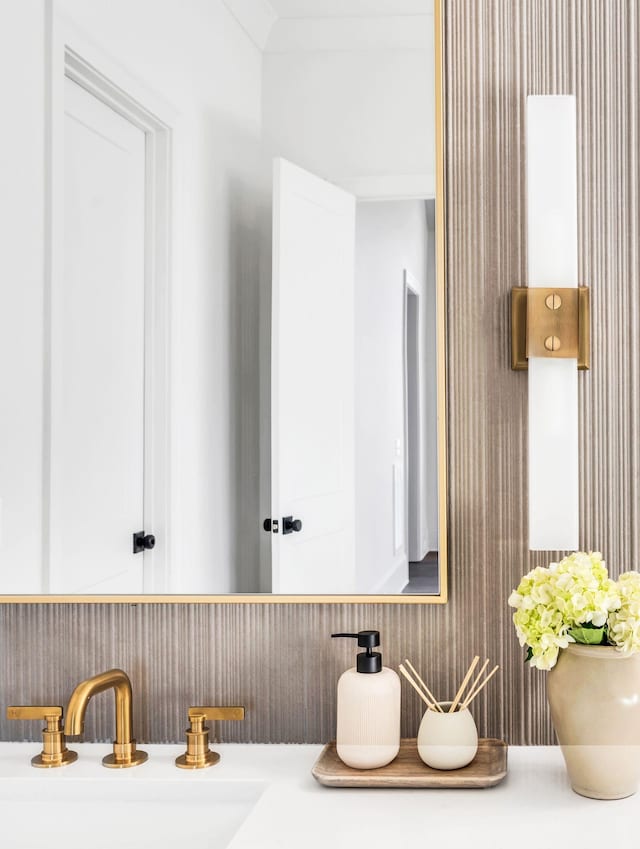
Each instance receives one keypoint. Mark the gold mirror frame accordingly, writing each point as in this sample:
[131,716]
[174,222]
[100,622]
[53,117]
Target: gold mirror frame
[266,598]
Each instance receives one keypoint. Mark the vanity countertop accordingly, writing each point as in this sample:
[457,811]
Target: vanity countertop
[287,809]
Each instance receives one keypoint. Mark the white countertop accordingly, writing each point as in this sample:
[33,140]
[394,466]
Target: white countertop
[533,808]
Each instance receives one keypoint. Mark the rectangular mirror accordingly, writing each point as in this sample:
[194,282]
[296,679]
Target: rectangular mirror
[231,386]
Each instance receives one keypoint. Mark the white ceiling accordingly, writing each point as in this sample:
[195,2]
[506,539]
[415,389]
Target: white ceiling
[349,8]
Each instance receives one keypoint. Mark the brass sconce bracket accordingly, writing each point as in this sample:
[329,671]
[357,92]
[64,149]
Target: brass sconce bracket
[550,322]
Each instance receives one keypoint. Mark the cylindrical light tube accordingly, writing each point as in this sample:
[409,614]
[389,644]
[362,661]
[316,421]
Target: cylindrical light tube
[552,260]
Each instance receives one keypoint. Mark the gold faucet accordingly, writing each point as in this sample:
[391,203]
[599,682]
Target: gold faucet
[198,754]
[124,747]
[54,749]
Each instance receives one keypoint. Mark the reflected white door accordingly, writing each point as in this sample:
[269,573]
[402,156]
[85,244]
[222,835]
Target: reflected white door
[97,359]
[312,372]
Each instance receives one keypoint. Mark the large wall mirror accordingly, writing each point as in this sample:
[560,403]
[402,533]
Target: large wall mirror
[233,383]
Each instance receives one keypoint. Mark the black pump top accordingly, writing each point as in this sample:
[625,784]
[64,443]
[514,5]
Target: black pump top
[369,661]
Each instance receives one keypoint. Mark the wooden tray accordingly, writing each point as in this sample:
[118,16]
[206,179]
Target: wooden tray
[487,769]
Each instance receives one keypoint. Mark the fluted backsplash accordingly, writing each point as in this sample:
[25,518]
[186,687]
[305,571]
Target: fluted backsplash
[278,660]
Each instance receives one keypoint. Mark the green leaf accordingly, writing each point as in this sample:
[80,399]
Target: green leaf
[588,635]
[529,654]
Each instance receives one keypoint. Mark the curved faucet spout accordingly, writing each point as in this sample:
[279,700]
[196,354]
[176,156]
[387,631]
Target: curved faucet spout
[114,679]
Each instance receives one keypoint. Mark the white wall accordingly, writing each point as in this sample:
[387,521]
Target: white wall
[351,103]
[195,55]
[390,237]
[21,274]
[430,469]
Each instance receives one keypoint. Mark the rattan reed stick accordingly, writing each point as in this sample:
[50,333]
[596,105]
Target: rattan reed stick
[475,692]
[424,686]
[416,687]
[465,681]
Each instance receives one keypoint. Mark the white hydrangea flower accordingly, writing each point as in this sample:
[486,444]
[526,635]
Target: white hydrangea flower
[551,601]
[624,623]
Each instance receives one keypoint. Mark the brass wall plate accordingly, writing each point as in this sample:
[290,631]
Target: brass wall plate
[552,323]
[560,319]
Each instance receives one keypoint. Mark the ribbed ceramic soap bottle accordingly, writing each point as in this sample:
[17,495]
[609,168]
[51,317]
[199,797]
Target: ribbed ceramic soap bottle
[368,733]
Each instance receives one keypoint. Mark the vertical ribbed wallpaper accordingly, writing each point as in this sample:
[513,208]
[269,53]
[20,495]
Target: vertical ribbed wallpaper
[278,660]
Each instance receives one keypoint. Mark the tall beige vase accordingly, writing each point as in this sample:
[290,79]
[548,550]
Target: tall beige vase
[594,695]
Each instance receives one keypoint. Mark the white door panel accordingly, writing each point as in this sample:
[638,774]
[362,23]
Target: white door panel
[312,383]
[97,344]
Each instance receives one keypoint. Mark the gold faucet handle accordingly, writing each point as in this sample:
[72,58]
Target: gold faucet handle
[198,754]
[52,714]
[54,748]
[215,713]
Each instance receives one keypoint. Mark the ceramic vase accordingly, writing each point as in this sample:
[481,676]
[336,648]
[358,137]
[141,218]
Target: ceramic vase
[594,695]
[447,740]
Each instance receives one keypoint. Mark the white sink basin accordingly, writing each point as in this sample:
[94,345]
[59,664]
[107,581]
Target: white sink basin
[256,797]
[95,813]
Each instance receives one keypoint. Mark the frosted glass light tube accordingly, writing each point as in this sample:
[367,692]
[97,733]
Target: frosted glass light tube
[552,251]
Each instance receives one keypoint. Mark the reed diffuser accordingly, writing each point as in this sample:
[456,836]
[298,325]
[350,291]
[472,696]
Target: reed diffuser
[448,737]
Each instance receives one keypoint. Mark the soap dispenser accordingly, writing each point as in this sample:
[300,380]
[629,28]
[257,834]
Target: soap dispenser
[368,733]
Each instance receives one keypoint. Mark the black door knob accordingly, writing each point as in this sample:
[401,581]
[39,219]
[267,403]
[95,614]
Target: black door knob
[289,525]
[142,542]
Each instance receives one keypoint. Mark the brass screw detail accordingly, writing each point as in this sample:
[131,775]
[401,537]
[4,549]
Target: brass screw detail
[552,343]
[553,302]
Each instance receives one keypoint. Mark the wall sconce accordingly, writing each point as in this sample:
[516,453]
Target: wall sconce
[550,322]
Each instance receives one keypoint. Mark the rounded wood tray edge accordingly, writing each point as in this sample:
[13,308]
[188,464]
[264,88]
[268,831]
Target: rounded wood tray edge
[448,781]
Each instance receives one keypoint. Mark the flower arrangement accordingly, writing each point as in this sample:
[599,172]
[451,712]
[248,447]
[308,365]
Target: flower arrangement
[575,601]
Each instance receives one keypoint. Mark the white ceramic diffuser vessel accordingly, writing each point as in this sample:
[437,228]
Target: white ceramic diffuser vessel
[447,740]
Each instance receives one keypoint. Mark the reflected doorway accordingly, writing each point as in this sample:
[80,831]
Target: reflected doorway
[396,397]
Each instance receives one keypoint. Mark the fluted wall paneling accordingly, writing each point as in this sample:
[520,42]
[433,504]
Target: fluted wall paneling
[279,660]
